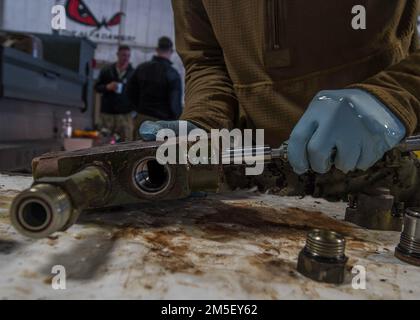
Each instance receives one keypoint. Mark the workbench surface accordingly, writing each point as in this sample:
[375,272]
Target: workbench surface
[242,245]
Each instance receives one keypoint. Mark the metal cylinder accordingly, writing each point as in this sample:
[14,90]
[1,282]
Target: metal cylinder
[408,249]
[411,144]
[257,154]
[41,211]
[325,244]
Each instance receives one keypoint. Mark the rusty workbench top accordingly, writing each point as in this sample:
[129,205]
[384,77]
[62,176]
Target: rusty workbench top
[238,246]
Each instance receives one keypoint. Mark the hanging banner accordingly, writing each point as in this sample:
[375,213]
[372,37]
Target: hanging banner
[89,25]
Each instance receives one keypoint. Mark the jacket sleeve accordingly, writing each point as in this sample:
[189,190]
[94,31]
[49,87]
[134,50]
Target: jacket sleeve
[210,101]
[398,87]
[175,94]
[101,84]
[133,89]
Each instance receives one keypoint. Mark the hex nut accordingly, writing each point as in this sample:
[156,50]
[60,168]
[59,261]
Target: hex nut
[321,269]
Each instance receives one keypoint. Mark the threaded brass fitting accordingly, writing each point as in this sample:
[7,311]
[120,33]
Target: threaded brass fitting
[323,258]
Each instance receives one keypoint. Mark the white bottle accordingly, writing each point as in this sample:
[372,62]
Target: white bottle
[67,125]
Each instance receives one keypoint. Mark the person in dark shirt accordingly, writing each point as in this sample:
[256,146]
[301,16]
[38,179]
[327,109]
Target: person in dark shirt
[155,88]
[116,108]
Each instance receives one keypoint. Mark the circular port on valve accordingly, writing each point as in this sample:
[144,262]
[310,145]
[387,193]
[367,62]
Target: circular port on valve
[34,214]
[150,177]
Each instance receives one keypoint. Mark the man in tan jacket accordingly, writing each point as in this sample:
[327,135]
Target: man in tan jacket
[260,63]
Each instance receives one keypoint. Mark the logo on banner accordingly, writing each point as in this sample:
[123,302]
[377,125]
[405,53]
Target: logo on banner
[79,12]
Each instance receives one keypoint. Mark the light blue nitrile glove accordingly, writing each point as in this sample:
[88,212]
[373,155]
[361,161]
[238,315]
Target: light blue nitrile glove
[149,129]
[348,128]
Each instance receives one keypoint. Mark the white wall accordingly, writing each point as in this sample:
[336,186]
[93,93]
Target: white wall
[27,15]
[145,20]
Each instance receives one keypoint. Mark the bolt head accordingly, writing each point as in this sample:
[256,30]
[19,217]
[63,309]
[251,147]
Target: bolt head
[321,269]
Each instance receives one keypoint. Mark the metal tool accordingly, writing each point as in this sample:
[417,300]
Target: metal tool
[254,154]
[323,258]
[408,249]
[267,154]
[411,144]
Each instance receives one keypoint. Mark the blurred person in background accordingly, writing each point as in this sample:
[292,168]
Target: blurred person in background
[155,88]
[116,108]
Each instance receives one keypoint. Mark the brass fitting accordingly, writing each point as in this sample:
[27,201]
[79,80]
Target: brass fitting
[54,204]
[41,210]
[323,258]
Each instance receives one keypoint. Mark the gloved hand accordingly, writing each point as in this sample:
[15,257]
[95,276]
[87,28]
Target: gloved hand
[149,129]
[348,128]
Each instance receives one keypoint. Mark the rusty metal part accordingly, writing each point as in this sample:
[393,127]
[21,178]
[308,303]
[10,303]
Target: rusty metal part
[67,183]
[129,173]
[374,210]
[41,211]
[408,249]
[323,258]
[135,174]
[398,171]
[54,204]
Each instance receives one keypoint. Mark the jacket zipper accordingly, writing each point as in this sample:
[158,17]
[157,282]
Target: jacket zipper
[276,22]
